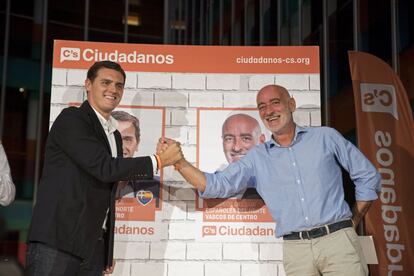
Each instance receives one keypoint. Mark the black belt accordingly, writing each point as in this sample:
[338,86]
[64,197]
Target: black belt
[318,231]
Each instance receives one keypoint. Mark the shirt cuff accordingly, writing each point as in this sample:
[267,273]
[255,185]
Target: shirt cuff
[154,164]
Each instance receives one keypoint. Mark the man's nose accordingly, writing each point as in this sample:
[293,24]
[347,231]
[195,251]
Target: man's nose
[237,144]
[112,87]
[268,109]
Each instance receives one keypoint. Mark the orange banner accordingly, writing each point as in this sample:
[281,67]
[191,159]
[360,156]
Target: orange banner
[386,136]
[189,59]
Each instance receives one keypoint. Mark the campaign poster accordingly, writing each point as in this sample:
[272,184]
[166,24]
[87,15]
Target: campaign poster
[225,135]
[187,93]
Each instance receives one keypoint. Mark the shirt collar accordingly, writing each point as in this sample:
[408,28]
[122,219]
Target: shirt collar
[298,130]
[108,125]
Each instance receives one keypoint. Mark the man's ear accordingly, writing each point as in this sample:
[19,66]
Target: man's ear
[262,139]
[292,104]
[88,85]
[139,140]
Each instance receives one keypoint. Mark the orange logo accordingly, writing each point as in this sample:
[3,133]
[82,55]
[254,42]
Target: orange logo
[209,230]
[67,53]
[379,98]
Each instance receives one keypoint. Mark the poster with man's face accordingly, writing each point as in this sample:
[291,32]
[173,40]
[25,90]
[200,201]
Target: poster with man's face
[138,201]
[226,136]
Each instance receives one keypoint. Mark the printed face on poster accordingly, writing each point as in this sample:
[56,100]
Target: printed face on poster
[225,136]
[149,120]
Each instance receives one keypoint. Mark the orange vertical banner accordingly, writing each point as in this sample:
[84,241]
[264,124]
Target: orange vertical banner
[386,136]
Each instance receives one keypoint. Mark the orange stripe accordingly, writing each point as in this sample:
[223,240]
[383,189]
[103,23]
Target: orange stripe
[189,59]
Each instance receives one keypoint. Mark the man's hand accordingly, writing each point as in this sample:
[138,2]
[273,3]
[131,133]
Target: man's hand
[162,145]
[190,173]
[359,211]
[109,269]
[121,185]
[169,151]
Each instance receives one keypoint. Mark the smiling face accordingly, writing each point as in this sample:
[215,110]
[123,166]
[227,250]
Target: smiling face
[240,133]
[275,109]
[129,139]
[105,91]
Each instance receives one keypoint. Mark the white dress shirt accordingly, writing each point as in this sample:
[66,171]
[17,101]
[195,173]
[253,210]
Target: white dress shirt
[109,127]
[7,189]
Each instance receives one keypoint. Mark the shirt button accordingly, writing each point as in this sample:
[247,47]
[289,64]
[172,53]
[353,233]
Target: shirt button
[302,199]
[290,148]
[306,218]
[294,164]
[298,180]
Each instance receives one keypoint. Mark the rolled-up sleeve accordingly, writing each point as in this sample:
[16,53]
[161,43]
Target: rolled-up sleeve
[230,181]
[365,176]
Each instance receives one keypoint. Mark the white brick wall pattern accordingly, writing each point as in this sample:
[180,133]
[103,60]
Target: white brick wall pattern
[179,249]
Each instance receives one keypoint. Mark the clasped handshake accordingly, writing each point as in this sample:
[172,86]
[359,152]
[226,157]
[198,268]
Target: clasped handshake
[169,153]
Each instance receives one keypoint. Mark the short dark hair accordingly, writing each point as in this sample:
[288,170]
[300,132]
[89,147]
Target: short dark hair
[93,70]
[123,116]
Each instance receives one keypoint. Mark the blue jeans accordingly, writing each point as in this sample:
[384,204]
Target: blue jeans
[43,260]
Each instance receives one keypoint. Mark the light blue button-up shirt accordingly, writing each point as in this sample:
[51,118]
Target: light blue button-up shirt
[301,184]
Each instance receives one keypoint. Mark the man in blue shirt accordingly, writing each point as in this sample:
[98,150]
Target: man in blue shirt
[298,175]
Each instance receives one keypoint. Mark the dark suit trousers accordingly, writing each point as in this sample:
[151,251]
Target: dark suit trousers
[43,260]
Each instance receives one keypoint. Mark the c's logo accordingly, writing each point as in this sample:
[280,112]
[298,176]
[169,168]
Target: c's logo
[209,230]
[69,54]
[379,98]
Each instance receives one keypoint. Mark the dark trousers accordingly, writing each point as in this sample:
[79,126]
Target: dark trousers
[43,260]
